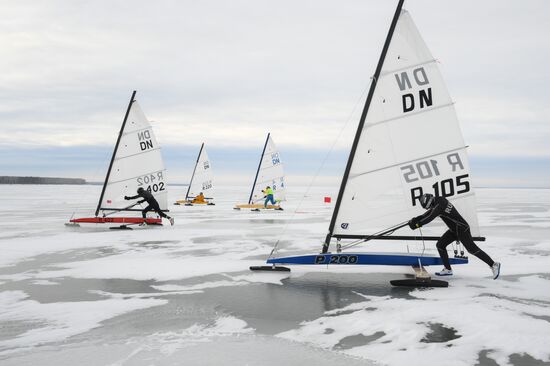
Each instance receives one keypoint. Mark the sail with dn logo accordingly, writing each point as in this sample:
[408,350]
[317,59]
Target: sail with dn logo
[136,163]
[270,173]
[408,142]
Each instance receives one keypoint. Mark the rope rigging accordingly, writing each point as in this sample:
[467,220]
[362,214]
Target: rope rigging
[387,231]
[321,166]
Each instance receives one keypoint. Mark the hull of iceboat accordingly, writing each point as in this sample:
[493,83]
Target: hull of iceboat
[116,220]
[258,206]
[383,259]
[191,203]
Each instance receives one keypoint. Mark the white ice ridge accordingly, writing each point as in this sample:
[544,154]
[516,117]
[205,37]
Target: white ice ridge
[60,320]
[197,333]
[499,316]
[173,289]
[134,261]
[240,280]
[158,265]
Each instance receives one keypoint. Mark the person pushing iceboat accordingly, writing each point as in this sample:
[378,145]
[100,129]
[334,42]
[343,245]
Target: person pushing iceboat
[408,142]
[136,162]
[270,174]
[153,205]
[269,197]
[199,199]
[458,231]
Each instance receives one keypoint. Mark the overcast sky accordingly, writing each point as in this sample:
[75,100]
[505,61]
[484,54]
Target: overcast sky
[227,72]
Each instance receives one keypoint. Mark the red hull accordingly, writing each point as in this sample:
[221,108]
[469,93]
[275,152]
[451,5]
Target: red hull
[115,220]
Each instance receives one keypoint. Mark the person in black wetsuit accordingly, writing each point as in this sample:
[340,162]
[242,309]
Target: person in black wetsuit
[152,204]
[458,230]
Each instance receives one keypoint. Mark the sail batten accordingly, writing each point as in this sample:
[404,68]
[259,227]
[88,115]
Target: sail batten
[139,153]
[138,130]
[131,178]
[370,125]
[409,161]
[408,143]
[388,72]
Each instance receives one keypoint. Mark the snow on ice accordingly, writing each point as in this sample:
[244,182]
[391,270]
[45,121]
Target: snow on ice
[167,293]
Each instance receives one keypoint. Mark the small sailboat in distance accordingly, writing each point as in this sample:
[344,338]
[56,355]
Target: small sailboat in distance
[408,142]
[201,188]
[136,162]
[270,174]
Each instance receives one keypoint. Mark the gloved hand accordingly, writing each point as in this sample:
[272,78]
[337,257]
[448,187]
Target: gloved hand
[126,197]
[413,224]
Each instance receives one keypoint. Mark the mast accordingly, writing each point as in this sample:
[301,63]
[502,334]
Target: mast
[114,152]
[258,171]
[362,123]
[195,169]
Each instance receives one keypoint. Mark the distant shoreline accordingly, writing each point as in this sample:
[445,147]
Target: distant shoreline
[29,180]
[41,180]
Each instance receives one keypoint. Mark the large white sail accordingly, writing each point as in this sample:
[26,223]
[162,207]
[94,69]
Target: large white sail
[137,162]
[202,177]
[270,173]
[411,144]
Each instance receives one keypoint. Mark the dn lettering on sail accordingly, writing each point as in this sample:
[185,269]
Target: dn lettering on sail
[145,141]
[411,100]
[275,159]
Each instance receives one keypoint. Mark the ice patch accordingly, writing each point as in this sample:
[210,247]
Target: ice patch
[508,316]
[159,265]
[44,283]
[486,315]
[61,319]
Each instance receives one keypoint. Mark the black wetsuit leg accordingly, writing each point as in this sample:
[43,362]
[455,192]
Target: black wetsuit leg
[465,238]
[155,207]
[146,209]
[442,244]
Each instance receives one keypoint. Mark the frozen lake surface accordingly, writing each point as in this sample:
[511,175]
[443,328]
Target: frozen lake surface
[184,294]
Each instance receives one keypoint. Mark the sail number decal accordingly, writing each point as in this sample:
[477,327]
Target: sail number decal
[206,185]
[424,175]
[152,182]
[274,185]
[336,259]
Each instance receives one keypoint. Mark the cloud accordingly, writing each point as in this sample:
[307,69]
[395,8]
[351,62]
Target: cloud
[228,72]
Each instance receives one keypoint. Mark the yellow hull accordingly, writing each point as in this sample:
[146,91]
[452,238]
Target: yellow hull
[191,203]
[257,206]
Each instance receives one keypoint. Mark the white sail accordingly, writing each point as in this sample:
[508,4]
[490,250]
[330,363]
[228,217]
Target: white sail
[137,163]
[270,173]
[202,177]
[411,144]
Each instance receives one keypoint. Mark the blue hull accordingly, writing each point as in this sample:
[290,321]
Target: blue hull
[382,259]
